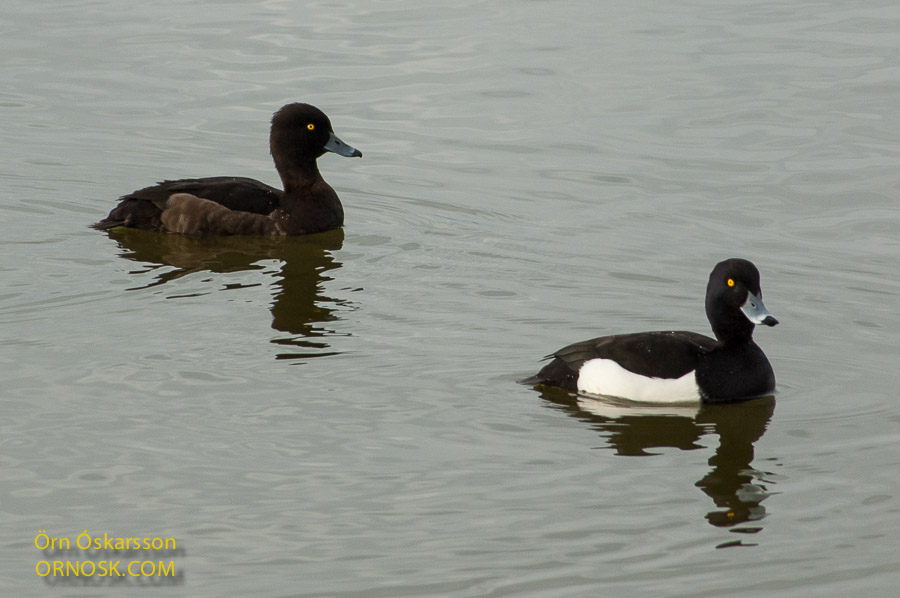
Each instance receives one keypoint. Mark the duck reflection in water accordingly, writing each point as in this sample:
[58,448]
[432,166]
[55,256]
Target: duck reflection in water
[299,306]
[736,488]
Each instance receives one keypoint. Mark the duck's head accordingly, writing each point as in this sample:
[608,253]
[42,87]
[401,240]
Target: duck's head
[300,134]
[734,300]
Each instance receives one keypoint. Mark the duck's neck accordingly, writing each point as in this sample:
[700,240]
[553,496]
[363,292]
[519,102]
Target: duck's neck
[730,325]
[734,333]
[298,175]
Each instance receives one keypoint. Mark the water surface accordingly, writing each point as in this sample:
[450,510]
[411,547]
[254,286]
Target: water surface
[338,415]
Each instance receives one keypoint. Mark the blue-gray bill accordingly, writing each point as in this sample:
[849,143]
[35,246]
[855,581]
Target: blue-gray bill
[756,312]
[339,147]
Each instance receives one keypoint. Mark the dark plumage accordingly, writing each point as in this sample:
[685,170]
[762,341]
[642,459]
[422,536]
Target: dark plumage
[242,206]
[730,368]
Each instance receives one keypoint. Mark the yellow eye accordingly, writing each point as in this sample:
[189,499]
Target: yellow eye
[730,282]
[311,127]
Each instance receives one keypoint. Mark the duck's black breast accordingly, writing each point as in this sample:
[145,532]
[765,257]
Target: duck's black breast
[735,373]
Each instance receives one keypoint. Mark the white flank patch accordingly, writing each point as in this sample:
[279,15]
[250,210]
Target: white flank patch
[608,378]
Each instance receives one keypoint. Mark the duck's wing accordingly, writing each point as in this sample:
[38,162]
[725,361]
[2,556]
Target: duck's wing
[652,354]
[194,216]
[142,208]
[235,193]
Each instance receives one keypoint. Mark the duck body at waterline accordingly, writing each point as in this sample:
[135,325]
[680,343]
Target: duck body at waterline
[223,205]
[678,366]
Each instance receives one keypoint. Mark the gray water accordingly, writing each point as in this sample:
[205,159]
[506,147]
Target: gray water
[338,416]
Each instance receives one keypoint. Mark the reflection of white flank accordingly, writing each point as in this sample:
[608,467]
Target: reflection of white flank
[608,378]
[616,408]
